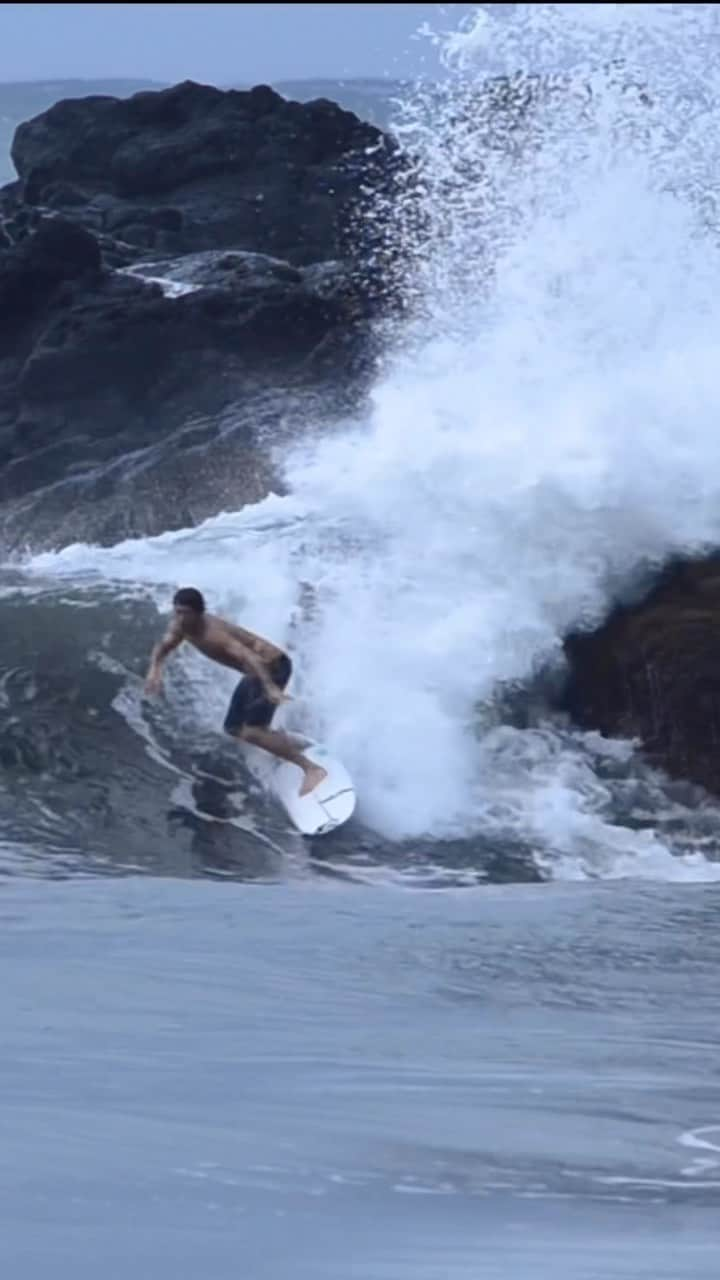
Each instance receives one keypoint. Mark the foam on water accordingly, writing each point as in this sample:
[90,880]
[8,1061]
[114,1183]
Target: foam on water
[545,433]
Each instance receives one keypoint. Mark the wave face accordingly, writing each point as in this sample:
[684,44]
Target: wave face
[541,438]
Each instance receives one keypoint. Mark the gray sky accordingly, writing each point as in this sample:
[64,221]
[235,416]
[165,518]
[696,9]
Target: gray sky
[218,43]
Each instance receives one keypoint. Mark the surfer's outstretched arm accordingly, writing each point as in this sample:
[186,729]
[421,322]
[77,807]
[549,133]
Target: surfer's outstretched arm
[172,638]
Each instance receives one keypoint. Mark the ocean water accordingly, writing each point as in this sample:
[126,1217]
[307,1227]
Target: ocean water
[290,1081]
[381,1079]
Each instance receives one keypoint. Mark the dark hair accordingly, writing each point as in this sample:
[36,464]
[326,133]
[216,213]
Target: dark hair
[191,598]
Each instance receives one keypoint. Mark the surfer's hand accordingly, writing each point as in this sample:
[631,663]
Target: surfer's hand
[276,695]
[153,684]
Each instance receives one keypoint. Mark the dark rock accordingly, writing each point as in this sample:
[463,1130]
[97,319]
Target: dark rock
[224,269]
[173,484]
[140,235]
[98,366]
[63,195]
[31,271]
[127,337]
[11,199]
[651,672]
[163,219]
[214,266]
[116,253]
[245,170]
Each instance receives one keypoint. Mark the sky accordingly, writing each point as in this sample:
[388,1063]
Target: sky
[218,43]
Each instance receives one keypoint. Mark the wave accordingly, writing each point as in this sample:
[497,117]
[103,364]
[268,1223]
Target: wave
[541,439]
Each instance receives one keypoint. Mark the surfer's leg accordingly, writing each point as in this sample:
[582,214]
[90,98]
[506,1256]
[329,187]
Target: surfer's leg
[282,745]
[249,717]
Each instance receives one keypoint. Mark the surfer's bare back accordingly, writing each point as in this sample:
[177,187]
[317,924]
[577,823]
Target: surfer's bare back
[266,671]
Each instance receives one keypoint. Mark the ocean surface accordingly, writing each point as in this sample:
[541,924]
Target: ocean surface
[475,1032]
[326,1081]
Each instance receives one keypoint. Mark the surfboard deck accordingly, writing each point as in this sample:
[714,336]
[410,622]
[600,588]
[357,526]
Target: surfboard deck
[328,805]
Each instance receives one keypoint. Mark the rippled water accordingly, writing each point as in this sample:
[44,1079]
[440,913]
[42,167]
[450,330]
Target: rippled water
[295,1082]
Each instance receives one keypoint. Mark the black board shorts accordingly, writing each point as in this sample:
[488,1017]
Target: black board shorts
[250,704]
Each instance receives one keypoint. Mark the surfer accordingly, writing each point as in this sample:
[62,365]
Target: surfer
[266,671]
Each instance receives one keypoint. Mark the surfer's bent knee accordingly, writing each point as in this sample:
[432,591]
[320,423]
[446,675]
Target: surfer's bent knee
[240,732]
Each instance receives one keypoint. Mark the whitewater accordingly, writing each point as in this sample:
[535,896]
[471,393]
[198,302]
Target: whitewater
[540,438]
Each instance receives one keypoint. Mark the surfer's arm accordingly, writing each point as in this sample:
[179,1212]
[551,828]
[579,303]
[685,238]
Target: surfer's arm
[248,639]
[172,638]
[253,665]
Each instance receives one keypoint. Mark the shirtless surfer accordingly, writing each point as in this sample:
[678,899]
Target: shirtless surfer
[266,671]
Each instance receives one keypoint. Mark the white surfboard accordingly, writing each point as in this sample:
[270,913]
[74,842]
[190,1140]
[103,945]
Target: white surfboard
[328,805]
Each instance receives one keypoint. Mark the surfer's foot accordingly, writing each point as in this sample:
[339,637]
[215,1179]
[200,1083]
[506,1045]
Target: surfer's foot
[313,777]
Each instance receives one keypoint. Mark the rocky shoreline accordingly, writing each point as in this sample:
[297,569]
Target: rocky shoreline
[651,673]
[258,203]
